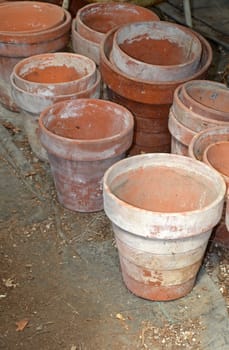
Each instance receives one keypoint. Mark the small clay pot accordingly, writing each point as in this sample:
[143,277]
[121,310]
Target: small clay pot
[162,241]
[93,21]
[23,41]
[55,73]
[207,98]
[83,138]
[156,51]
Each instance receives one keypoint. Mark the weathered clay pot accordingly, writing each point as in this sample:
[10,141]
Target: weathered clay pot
[207,98]
[194,121]
[145,98]
[55,73]
[94,20]
[33,103]
[84,138]
[156,51]
[216,156]
[21,40]
[181,136]
[198,147]
[161,241]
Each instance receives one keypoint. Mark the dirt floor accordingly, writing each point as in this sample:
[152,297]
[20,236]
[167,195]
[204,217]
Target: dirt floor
[60,280]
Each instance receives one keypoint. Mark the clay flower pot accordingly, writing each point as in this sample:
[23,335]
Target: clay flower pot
[42,80]
[83,138]
[28,28]
[146,99]
[209,146]
[161,241]
[156,51]
[207,98]
[93,21]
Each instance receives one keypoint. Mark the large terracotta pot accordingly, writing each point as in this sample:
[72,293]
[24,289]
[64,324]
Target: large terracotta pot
[146,99]
[28,28]
[161,241]
[83,138]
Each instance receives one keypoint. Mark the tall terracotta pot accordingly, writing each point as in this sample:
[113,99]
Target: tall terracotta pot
[161,241]
[28,28]
[146,99]
[83,138]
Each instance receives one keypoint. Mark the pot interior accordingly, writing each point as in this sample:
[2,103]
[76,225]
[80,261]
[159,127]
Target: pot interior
[217,156]
[86,120]
[164,189]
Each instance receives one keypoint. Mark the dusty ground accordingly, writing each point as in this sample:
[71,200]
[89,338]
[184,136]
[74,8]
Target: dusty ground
[60,281]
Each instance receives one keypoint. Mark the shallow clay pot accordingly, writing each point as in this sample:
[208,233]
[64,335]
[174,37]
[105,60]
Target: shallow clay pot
[156,51]
[83,138]
[194,121]
[22,36]
[161,241]
[55,73]
[93,21]
[145,99]
[207,98]
[216,155]
[35,97]
[181,136]
[198,149]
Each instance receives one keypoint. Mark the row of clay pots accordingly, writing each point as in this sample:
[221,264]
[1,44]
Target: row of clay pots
[93,21]
[28,28]
[41,80]
[192,111]
[147,100]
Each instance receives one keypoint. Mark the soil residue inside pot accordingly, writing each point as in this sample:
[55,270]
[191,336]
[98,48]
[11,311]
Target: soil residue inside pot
[159,52]
[53,74]
[87,124]
[218,157]
[163,189]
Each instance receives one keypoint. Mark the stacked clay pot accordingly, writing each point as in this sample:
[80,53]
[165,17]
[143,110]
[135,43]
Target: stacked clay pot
[93,21]
[211,146]
[41,80]
[197,105]
[28,28]
[132,79]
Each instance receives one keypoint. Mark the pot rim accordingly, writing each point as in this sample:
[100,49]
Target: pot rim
[199,83]
[126,209]
[36,37]
[176,124]
[121,134]
[207,161]
[216,130]
[166,25]
[109,5]
[51,55]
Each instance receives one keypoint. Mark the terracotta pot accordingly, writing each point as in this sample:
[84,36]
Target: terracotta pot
[94,20]
[135,149]
[181,136]
[84,138]
[193,121]
[197,150]
[32,104]
[207,98]
[216,156]
[22,40]
[156,51]
[161,242]
[139,95]
[56,73]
